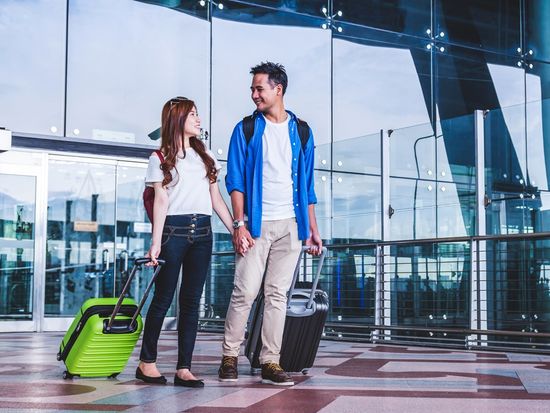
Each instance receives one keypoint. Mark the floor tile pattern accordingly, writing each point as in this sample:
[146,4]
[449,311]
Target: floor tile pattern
[347,377]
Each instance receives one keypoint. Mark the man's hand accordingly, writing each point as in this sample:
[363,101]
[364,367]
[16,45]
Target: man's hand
[242,240]
[314,243]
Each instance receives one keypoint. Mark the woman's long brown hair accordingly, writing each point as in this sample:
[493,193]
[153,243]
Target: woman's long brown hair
[174,115]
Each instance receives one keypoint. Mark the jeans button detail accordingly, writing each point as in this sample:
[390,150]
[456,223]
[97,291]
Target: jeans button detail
[192,231]
[192,225]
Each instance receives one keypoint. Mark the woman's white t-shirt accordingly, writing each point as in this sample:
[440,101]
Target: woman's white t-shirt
[189,191]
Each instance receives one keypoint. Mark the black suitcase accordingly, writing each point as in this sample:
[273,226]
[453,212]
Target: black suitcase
[306,314]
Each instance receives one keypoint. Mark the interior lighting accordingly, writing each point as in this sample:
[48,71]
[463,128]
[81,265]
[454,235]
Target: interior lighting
[202,3]
[220,151]
[53,129]
[76,132]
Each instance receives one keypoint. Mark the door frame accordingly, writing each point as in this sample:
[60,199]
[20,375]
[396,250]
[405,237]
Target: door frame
[37,168]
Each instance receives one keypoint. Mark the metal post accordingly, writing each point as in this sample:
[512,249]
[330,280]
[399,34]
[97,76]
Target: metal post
[479,256]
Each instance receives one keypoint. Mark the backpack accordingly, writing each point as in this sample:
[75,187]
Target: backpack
[149,193]
[248,129]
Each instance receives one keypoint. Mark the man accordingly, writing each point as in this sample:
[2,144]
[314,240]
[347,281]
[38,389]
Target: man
[270,178]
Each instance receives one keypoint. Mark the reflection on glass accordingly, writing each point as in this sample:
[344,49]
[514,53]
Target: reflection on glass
[378,87]
[401,17]
[456,209]
[32,46]
[122,70]
[349,280]
[518,278]
[323,206]
[413,203]
[308,93]
[412,152]
[456,150]
[17,212]
[488,24]
[361,154]
[356,208]
[81,228]
[430,286]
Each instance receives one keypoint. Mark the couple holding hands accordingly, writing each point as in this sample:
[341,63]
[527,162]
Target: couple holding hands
[270,178]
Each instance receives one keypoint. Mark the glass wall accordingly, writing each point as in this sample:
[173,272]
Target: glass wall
[389,89]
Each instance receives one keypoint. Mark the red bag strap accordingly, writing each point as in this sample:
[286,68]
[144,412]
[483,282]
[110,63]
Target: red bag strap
[160,155]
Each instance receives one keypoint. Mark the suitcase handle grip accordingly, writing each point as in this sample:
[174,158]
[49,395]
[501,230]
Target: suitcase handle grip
[315,279]
[138,262]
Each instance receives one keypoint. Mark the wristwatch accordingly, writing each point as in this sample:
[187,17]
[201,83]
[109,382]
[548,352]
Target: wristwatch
[237,224]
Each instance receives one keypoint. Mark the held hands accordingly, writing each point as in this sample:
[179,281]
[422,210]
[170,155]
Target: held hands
[153,253]
[242,240]
[315,244]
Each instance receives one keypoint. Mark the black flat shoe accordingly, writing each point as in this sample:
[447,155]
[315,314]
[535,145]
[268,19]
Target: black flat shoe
[149,379]
[187,383]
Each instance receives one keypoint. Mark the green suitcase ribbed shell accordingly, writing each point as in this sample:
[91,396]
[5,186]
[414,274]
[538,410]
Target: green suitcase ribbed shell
[88,351]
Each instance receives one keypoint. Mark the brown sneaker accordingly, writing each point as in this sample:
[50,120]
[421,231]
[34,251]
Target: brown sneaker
[228,369]
[272,373]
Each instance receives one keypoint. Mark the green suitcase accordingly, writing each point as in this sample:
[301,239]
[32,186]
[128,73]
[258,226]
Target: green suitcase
[103,334]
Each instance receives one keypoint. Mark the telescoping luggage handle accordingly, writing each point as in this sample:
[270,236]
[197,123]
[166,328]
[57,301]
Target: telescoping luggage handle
[315,279]
[137,263]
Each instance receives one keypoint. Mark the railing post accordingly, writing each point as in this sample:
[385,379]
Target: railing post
[478,318]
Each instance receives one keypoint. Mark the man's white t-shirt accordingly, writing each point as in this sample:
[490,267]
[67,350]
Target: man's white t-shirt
[189,191]
[277,172]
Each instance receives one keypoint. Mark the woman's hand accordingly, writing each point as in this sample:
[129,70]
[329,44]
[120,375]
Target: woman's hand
[153,253]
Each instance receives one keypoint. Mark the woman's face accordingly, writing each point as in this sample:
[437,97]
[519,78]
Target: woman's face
[192,123]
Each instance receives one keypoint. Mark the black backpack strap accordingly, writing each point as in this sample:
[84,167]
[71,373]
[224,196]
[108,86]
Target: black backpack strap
[248,126]
[303,132]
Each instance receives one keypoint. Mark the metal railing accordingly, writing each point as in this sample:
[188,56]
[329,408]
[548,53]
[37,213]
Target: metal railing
[488,292]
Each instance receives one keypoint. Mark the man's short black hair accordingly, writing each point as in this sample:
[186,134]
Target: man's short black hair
[275,72]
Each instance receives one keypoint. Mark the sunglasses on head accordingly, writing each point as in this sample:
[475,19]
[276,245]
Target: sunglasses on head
[176,100]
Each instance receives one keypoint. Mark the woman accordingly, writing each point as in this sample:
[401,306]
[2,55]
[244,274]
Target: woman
[186,190]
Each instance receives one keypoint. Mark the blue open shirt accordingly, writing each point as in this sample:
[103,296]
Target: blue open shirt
[245,171]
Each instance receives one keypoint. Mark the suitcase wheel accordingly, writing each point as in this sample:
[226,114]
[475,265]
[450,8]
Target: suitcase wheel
[67,375]
[59,356]
[305,371]
[114,375]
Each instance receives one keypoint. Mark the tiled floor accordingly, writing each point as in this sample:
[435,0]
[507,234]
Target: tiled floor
[347,377]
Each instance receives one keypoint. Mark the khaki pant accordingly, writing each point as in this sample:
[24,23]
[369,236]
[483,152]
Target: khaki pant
[277,247]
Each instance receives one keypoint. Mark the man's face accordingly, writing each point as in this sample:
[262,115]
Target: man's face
[264,94]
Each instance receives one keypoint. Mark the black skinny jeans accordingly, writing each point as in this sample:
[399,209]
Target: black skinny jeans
[187,241]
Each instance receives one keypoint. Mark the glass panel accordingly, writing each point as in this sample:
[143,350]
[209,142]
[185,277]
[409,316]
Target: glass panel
[324,201]
[349,280]
[308,94]
[412,152]
[537,82]
[487,24]
[537,30]
[456,150]
[81,234]
[456,209]
[518,296]
[121,71]
[360,154]
[190,7]
[411,17]
[356,207]
[378,86]
[413,202]
[430,286]
[312,7]
[17,213]
[505,166]
[32,44]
